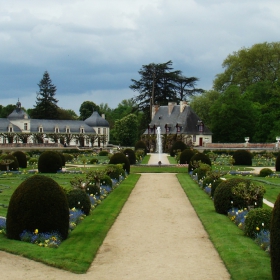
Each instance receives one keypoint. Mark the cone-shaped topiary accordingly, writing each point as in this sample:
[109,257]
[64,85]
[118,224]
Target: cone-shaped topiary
[275,240]
[140,145]
[49,162]
[277,163]
[186,156]
[238,193]
[242,157]
[198,157]
[120,158]
[80,200]
[22,159]
[177,146]
[131,155]
[38,203]
[8,162]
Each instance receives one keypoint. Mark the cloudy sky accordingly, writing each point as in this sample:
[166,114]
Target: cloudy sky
[93,48]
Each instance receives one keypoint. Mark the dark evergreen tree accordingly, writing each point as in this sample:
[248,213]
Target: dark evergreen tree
[160,84]
[87,108]
[46,107]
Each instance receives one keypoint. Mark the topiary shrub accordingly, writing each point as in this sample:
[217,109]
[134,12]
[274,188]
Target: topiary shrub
[242,157]
[93,161]
[186,156]
[256,220]
[265,172]
[80,200]
[131,155]
[238,193]
[68,157]
[32,161]
[106,180]
[38,203]
[49,162]
[277,163]
[92,189]
[22,159]
[202,170]
[103,153]
[177,146]
[8,162]
[275,239]
[115,171]
[140,145]
[120,158]
[62,158]
[199,157]
[214,185]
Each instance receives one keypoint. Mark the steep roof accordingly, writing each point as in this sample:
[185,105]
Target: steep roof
[96,121]
[5,123]
[187,119]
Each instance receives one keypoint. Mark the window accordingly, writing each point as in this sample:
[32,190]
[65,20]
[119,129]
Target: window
[41,129]
[56,130]
[25,126]
[82,130]
[10,129]
[104,131]
[67,130]
[98,130]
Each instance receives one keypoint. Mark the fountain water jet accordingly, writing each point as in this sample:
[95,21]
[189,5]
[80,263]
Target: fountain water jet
[159,144]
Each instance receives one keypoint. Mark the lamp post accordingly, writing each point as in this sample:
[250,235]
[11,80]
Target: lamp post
[246,141]
[277,143]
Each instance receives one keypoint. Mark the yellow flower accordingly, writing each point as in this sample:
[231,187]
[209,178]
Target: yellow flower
[36,231]
[257,228]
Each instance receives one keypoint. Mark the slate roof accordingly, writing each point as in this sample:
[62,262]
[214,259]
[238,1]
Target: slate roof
[96,121]
[5,123]
[17,114]
[188,120]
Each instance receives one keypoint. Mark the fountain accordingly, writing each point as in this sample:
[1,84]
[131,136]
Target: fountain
[159,145]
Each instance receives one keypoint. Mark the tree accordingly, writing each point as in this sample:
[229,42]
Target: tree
[46,107]
[127,130]
[5,111]
[160,84]
[249,66]
[66,114]
[87,108]
[233,117]
[201,104]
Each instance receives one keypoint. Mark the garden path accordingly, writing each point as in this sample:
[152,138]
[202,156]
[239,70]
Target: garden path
[156,236]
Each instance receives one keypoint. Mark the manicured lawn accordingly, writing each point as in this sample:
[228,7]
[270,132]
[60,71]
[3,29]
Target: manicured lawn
[243,258]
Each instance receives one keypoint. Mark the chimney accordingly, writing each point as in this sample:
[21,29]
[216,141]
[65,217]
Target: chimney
[183,104]
[154,110]
[170,107]
[103,116]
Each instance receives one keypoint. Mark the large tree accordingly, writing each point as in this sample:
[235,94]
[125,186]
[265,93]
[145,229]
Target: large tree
[160,84]
[249,66]
[46,104]
[87,108]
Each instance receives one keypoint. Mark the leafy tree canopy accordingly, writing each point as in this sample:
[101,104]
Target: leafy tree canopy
[87,108]
[249,66]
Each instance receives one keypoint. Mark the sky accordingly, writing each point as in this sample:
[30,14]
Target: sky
[93,48]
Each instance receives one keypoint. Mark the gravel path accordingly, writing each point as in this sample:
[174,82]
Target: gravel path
[156,236]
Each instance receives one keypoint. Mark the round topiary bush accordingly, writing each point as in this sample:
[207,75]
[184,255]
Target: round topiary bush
[68,157]
[215,184]
[80,200]
[186,156]
[277,163]
[62,158]
[49,162]
[120,158]
[92,189]
[256,220]
[265,172]
[140,145]
[275,239]
[242,157]
[8,162]
[238,193]
[198,157]
[106,180]
[202,171]
[33,160]
[131,155]
[93,161]
[177,146]
[38,203]
[22,159]
[103,153]
[115,171]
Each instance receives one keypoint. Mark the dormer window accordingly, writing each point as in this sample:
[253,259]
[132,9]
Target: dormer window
[200,126]
[178,127]
[25,126]
[10,128]
[56,129]
[82,130]
[67,129]
[167,127]
[151,128]
[40,129]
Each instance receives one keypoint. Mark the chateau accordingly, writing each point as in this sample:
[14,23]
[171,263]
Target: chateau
[19,128]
